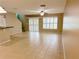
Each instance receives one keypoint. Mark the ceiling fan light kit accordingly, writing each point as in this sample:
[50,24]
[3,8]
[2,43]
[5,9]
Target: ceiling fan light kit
[42,13]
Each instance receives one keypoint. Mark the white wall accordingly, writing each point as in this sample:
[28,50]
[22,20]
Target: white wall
[11,20]
[2,21]
[6,33]
[71,16]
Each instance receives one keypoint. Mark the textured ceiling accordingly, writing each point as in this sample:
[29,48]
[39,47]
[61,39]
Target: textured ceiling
[23,5]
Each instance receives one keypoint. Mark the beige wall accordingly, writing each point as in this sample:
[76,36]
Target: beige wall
[11,20]
[71,18]
[6,33]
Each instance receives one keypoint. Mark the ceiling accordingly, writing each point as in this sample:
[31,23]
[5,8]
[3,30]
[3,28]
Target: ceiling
[23,5]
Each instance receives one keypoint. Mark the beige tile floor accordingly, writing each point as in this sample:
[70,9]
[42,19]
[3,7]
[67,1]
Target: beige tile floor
[71,44]
[39,45]
[31,45]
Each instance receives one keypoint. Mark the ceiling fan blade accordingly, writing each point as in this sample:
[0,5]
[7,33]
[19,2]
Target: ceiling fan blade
[34,11]
[49,10]
[53,10]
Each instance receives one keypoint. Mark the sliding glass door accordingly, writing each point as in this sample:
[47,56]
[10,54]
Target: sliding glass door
[34,24]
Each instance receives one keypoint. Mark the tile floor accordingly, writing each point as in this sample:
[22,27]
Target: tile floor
[34,45]
[31,45]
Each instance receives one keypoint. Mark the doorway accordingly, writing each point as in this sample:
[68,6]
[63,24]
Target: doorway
[34,24]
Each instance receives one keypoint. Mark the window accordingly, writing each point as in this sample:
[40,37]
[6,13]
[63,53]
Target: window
[50,22]
[55,22]
[33,24]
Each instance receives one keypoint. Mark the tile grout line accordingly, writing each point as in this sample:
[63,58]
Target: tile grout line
[4,42]
[63,49]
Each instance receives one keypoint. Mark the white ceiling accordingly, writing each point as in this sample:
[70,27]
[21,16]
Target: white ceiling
[23,5]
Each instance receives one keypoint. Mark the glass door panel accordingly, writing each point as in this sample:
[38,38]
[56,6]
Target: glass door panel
[50,22]
[33,24]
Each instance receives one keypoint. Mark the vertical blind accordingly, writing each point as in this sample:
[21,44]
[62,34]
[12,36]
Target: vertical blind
[50,22]
[34,24]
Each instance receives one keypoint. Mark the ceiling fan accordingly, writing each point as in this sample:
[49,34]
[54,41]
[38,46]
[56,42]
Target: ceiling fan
[42,10]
